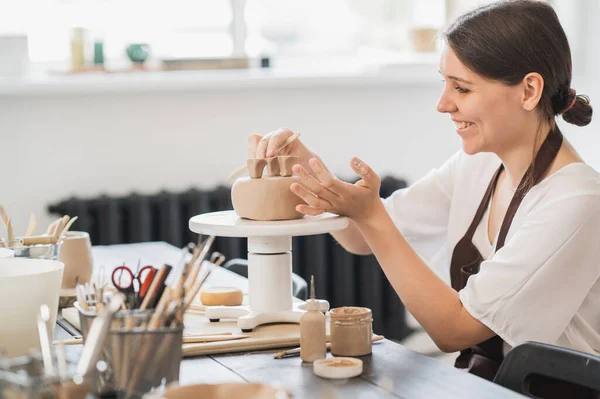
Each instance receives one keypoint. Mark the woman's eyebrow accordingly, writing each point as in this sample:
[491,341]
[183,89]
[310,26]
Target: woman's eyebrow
[457,78]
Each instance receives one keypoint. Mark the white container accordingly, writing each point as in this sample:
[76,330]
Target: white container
[6,253]
[25,285]
[14,55]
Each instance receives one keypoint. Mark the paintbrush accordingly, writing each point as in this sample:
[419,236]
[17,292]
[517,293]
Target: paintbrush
[296,351]
[244,168]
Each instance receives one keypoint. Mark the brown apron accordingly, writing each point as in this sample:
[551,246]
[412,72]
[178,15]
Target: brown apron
[485,358]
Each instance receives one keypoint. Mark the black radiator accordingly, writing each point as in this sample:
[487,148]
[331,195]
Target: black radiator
[342,278]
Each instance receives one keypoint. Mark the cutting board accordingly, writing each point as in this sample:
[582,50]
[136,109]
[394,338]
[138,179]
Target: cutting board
[269,336]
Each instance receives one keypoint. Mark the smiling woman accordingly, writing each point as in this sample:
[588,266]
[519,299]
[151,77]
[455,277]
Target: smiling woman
[479,249]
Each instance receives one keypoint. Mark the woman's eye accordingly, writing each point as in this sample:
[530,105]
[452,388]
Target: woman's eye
[461,90]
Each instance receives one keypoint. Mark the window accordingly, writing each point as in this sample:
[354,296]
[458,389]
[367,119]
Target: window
[220,28]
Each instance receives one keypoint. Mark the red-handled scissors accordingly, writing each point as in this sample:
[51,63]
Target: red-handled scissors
[123,279]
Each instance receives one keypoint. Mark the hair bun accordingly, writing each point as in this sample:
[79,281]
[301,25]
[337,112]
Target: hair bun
[564,100]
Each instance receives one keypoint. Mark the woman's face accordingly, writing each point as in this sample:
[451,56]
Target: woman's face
[488,115]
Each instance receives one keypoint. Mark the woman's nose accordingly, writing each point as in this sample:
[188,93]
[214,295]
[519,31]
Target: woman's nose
[446,104]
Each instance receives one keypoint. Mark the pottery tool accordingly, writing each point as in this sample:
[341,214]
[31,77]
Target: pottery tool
[52,226]
[97,337]
[156,288]
[190,339]
[296,351]
[64,232]
[61,225]
[72,341]
[35,240]
[244,168]
[3,215]
[32,225]
[191,294]
[191,278]
[42,319]
[10,232]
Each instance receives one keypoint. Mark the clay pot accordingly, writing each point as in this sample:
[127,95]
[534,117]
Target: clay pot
[269,198]
[76,254]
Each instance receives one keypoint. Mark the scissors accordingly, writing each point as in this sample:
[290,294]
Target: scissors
[123,279]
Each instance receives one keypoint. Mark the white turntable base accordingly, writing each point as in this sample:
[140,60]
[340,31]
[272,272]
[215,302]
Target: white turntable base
[269,264]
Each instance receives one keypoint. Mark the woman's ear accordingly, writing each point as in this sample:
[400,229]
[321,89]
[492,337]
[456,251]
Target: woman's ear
[533,87]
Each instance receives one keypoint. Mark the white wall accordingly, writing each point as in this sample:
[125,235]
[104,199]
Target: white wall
[53,147]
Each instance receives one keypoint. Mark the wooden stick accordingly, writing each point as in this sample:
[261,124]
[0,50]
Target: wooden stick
[194,290]
[4,215]
[198,263]
[68,226]
[159,279]
[39,240]
[52,226]
[72,341]
[296,351]
[10,231]
[32,225]
[61,225]
[213,338]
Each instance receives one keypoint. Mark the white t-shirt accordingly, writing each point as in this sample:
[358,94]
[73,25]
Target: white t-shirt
[543,285]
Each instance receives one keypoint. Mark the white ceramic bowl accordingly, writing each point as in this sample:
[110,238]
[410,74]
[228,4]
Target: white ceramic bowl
[6,253]
[25,285]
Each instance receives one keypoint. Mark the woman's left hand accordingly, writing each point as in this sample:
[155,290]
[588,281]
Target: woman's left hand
[327,193]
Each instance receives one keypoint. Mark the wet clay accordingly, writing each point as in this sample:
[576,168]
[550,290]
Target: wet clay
[273,166]
[268,198]
[351,331]
[286,162]
[256,166]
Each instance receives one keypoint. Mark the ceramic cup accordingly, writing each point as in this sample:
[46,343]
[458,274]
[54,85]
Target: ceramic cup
[6,253]
[76,254]
[25,285]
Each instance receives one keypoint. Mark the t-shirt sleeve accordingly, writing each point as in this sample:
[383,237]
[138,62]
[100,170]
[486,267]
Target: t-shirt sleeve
[421,211]
[533,286]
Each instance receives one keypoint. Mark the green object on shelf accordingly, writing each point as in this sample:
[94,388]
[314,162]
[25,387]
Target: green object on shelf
[98,53]
[138,53]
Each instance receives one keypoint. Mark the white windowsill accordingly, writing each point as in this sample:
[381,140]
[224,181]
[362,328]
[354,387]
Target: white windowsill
[420,69]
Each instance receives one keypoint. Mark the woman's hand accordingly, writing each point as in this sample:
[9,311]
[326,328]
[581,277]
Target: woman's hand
[323,192]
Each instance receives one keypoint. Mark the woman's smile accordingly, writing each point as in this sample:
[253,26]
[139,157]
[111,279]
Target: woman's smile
[462,127]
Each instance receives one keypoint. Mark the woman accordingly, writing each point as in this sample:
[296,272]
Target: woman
[517,209]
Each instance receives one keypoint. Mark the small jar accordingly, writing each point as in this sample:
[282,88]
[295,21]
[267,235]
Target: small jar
[351,330]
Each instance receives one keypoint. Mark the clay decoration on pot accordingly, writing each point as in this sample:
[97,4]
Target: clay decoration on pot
[266,198]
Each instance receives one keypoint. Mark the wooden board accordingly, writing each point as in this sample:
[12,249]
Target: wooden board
[268,336]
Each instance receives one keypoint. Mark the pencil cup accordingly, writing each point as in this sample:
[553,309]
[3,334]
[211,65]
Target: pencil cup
[137,359]
[47,251]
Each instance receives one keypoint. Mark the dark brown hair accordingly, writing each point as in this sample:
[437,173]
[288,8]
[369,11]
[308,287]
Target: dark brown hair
[505,41]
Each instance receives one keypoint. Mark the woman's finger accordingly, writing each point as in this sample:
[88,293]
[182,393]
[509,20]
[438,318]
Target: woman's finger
[261,148]
[253,140]
[309,197]
[277,139]
[326,179]
[308,210]
[364,171]
[313,184]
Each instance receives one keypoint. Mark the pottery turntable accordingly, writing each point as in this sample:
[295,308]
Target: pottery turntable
[265,213]
[269,264]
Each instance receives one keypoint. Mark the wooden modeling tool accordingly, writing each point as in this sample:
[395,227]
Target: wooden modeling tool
[244,168]
[32,226]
